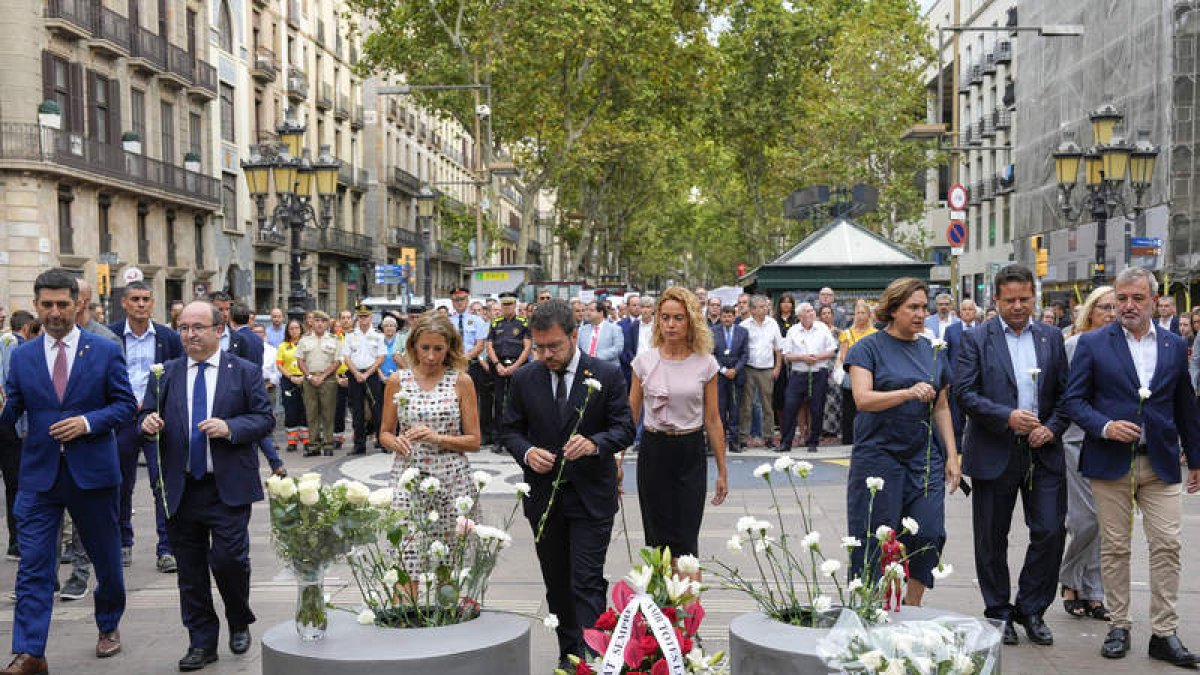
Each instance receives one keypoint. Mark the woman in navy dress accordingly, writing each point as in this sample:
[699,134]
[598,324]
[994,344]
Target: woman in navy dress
[895,375]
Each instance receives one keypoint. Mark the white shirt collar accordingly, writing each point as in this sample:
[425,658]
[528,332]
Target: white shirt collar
[129,330]
[1008,329]
[214,360]
[574,364]
[1152,333]
[71,339]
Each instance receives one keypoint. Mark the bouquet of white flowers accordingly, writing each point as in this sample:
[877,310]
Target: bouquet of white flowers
[944,646]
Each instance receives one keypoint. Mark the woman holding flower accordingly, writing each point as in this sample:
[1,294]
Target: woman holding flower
[432,422]
[900,386]
[674,394]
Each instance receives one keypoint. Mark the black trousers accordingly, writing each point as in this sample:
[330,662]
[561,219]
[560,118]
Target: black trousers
[729,406]
[499,401]
[339,409]
[849,412]
[360,396]
[10,464]
[208,534]
[571,555]
[482,379]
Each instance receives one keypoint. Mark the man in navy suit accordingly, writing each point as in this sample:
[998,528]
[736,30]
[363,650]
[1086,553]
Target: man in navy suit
[953,335]
[210,476]
[544,403]
[144,343]
[75,391]
[1130,393]
[730,347]
[943,318]
[637,333]
[1168,318]
[1009,378]
[242,340]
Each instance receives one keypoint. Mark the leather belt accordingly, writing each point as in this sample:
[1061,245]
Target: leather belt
[666,432]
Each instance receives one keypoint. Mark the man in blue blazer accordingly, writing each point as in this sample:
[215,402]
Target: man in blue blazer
[1130,393]
[75,391]
[144,343]
[641,318]
[215,408]
[730,346]
[600,338]
[242,340]
[943,317]
[953,336]
[1009,378]
[544,404]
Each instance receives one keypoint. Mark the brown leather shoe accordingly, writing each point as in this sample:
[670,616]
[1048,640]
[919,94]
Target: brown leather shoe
[26,664]
[108,644]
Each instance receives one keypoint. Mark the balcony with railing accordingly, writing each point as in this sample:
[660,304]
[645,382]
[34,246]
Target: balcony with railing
[148,52]
[265,66]
[345,174]
[341,109]
[989,63]
[204,87]
[964,80]
[28,146]
[297,84]
[325,97]
[338,242]
[1002,119]
[270,238]
[111,36]
[180,67]
[987,127]
[364,179]
[71,19]
[356,120]
[405,181]
[398,236]
[449,253]
[1004,52]
[293,16]
[976,74]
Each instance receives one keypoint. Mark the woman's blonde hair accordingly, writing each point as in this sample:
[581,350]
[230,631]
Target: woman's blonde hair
[699,337]
[439,324]
[1084,323]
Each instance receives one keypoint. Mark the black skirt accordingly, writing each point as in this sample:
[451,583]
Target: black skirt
[672,479]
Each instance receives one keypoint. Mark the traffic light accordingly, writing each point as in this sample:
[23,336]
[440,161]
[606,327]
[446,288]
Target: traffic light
[1042,255]
[408,257]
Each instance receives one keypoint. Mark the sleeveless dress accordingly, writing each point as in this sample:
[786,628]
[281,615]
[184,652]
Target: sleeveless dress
[439,410]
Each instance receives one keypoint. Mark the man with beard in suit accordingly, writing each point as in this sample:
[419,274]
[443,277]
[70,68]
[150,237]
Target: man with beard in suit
[568,407]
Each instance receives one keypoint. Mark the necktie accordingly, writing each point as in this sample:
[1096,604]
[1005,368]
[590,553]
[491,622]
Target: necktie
[60,370]
[728,339]
[560,390]
[595,337]
[460,326]
[198,447]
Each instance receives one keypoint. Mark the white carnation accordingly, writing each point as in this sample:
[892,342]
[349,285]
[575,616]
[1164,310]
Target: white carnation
[962,664]
[830,567]
[1144,393]
[850,542]
[910,525]
[593,384]
[883,533]
[391,577]
[688,564]
[822,603]
[408,476]
[855,584]
[734,544]
[763,471]
[812,540]
[873,659]
[481,479]
[522,489]
[432,516]
[550,622]
[874,483]
[438,550]
[464,504]
[802,469]
[784,463]
[943,570]
[430,485]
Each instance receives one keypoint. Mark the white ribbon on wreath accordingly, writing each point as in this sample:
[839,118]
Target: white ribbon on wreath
[664,632]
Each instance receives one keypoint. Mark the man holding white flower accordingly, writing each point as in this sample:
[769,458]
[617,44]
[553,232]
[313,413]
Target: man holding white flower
[208,411]
[1130,392]
[1009,379]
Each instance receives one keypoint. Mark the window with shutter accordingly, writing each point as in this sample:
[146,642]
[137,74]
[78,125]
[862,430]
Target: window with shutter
[166,118]
[137,112]
[73,111]
[98,122]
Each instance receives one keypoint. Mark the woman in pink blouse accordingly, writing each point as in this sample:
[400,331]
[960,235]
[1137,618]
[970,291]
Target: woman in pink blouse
[674,395]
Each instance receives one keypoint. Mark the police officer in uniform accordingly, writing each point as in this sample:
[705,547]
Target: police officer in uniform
[474,333]
[508,345]
[363,353]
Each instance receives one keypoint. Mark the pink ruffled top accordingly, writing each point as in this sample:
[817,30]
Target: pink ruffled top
[673,390]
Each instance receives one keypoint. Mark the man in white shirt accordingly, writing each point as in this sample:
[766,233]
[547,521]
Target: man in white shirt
[943,318]
[809,350]
[363,353]
[1167,319]
[762,367]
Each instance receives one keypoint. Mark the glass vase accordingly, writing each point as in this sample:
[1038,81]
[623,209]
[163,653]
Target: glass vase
[312,615]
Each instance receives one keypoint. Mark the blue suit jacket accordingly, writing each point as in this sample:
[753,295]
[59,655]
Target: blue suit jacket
[1103,386]
[241,400]
[954,337]
[97,388]
[167,344]
[738,352]
[631,334]
[931,322]
[608,346]
[244,343]
[987,391]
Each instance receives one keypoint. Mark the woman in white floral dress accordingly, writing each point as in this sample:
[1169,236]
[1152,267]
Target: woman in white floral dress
[432,421]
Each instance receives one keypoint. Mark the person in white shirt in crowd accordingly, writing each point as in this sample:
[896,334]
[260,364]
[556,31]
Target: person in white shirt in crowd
[762,367]
[1167,318]
[598,337]
[809,350]
[937,324]
[363,353]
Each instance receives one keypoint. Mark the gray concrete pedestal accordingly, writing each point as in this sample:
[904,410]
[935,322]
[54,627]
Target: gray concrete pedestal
[492,643]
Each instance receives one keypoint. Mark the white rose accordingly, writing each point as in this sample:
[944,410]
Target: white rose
[962,664]
[309,493]
[381,498]
[287,488]
[763,471]
[903,644]
[874,483]
[922,664]
[391,577]
[688,564]
[357,493]
[734,544]
[896,667]
[366,618]
[311,475]
[830,567]
[910,525]
[273,485]
[873,659]
[522,489]
[463,504]
[784,463]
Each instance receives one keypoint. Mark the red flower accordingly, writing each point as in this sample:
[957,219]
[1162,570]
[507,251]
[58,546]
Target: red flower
[685,642]
[583,668]
[621,595]
[693,615]
[596,639]
[606,621]
[649,644]
[671,613]
[660,668]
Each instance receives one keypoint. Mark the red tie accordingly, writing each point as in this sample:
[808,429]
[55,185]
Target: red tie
[595,336]
[60,370]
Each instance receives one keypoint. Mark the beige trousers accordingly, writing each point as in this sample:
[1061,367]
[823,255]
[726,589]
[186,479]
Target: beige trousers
[761,383]
[1161,505]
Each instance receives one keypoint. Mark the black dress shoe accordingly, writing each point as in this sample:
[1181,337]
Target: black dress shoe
[1171,650]
[197,658]
[1037,630]
[564,663]
[1010,634]
[1116,644]
[239,640]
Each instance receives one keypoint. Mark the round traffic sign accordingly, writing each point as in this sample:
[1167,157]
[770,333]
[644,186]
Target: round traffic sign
[957,197]
[956,234]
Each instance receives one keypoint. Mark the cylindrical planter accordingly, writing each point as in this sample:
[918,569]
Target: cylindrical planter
[492,643]
[759,645]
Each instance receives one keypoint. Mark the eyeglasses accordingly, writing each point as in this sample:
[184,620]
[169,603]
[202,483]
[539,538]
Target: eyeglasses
[194,328]
[1105,308]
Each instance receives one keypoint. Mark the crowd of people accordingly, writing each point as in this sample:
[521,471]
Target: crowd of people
[1081,419]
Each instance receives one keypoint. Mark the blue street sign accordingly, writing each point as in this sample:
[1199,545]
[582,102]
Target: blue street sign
[389,274]
[956,234]
[1145,242]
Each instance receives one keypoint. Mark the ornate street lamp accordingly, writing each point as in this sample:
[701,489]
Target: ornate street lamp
[298,183]
[426,200]
[1105,168]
